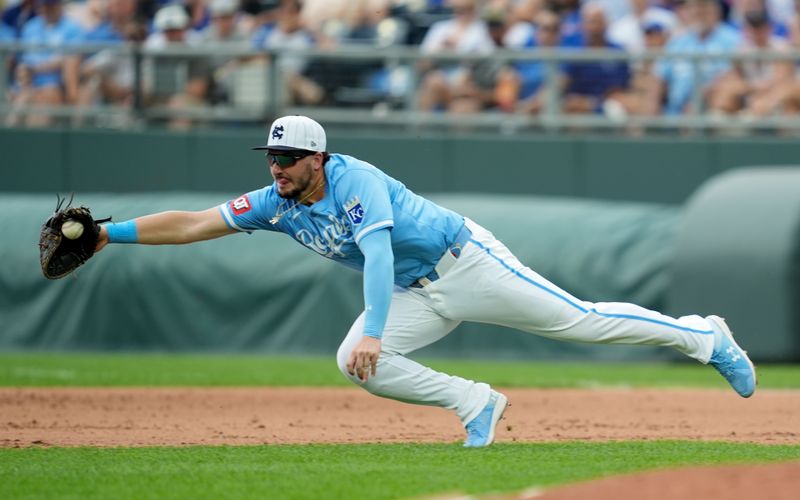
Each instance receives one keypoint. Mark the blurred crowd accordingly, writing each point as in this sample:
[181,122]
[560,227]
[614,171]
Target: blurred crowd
[615,88]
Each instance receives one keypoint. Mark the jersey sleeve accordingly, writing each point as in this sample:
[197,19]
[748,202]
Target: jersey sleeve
[251,211]
[365,199]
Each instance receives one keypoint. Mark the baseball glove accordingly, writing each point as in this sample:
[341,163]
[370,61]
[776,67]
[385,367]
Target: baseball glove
[60,255]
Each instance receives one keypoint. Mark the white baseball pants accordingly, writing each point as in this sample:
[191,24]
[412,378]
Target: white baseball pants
[488,284]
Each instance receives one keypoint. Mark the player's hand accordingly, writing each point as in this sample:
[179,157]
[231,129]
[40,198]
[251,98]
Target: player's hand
[364,358]
[102,239]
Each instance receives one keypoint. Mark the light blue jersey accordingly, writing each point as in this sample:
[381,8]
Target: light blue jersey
[679,74]
[65,31]
[359,199]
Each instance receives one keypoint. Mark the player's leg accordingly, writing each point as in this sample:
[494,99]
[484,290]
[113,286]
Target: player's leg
[412,324]
[505,292]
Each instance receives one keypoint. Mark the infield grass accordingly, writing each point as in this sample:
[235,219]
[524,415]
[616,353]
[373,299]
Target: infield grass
[155,370]
[344,471]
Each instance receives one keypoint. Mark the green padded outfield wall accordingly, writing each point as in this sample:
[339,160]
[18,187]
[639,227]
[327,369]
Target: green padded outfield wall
[658,170]
[738,253]
[266,293]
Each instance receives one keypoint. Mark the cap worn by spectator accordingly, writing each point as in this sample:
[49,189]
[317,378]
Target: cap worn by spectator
[757,18]
[494,17]
[256,7]
[652,27]
[171,17]
[219,8]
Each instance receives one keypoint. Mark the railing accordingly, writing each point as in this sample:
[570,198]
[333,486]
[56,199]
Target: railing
[259,92]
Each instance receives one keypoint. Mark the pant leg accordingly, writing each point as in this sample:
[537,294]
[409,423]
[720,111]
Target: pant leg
[412,324]
[488,284]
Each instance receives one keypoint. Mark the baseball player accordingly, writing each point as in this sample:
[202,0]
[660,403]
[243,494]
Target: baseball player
[426,269]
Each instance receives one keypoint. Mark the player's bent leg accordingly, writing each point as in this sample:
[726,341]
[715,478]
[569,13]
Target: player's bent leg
[412,325]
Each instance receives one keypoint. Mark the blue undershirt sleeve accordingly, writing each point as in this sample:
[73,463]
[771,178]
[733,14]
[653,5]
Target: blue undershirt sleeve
[378,280]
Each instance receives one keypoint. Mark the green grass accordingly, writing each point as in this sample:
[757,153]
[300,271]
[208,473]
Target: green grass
[110,370]
[344,471]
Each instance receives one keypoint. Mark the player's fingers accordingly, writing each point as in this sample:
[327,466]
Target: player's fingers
[351,364]
[374,365]
[365,368]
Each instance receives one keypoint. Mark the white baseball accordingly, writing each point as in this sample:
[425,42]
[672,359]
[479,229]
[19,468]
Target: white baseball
[72,229]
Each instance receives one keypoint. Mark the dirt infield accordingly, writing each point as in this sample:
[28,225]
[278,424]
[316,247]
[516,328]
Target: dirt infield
[237,416]
[773,482]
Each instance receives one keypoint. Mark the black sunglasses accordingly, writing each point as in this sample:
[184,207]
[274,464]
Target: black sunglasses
[286,159]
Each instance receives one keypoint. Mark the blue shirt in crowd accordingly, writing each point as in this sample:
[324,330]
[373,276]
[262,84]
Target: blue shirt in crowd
[6,33]
[678,74]
[597,78]
[38,31]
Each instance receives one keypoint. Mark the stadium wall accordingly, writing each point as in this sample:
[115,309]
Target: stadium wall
[734,250]
[661,170]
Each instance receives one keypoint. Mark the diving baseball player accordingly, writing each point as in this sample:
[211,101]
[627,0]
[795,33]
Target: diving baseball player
[426,269]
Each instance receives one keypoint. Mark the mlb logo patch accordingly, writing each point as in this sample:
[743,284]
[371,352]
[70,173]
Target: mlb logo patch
[355,212]
[240,205]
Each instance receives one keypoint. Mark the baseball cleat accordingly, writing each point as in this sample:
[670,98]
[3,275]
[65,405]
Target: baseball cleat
[730,360]
[480,430]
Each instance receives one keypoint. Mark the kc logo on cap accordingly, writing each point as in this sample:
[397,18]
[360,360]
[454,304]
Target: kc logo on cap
[295,132]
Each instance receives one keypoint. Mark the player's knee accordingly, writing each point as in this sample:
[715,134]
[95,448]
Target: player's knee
[342,356]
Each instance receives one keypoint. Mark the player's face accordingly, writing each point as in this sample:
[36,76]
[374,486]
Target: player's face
[293,175]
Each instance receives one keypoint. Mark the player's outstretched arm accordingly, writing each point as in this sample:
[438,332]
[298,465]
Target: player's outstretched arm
[166,228]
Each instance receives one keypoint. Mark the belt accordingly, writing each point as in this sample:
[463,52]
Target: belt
[447,259]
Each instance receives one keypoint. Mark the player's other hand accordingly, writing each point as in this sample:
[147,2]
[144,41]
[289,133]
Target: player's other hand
[102,239]
[363,360]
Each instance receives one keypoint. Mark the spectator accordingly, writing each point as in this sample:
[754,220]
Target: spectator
[570,13]
[740,8]
[707,35]
[628,30]
[614,9]
[109,75]
[646,84]
[17,15]
[40,72]
[288,33]
[683,15]
[781,11]
[179,81]
[521,87]
[224,28]
[316,13]
[372,23]
[756,88]
[592,85]
[224,31]
[7,33]
[112,29]
[87,13]
[370,82]
[255,14]
[521,30]
[7,59]
[199,15]
[453,87]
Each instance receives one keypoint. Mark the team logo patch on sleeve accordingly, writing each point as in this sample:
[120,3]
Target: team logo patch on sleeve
[355,212]
[240,205]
